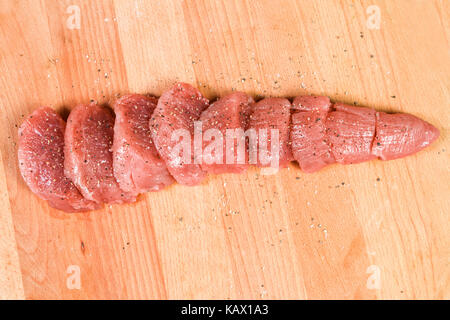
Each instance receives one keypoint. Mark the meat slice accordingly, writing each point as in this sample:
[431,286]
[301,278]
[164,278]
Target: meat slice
[399,135]
[310,143]
[41,162]
[351,131]
[230,112]
[88,154]
[138,167]
[312,103]
[172,126]
[272,113]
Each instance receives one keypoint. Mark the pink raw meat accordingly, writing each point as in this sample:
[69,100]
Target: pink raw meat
[351,131]
[137,166]
[229,112]
[73,166]
[312,103]
[399,135]
[273,113]
[177,109]
[88,154]
[41,162]
[310,144]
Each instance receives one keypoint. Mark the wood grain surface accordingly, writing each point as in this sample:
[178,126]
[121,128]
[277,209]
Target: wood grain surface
[377,230]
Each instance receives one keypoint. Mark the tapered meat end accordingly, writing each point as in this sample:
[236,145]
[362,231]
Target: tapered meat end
[172,128]
[89,157]
[399,135]
[272,114]
[41,162]
[138,167]
[351,131]
[224,143]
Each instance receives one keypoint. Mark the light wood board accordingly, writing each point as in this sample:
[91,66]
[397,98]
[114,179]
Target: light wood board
[376,230]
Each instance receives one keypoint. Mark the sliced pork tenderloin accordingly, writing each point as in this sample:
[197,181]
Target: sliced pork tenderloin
[272,114]
[350,132]
[89,157]
[171,122]
[138,168]
[41,162]
[309,140]
[229,112]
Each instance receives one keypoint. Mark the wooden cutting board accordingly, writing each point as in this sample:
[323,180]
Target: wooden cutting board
[367,231]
